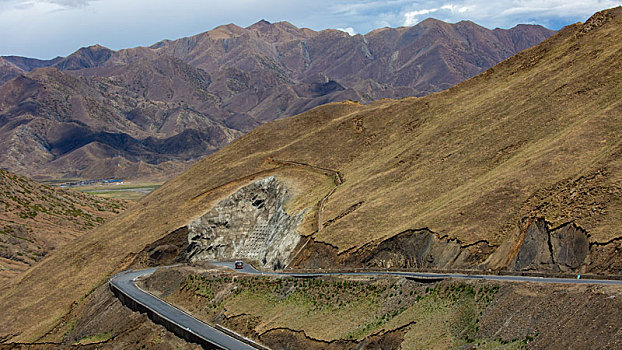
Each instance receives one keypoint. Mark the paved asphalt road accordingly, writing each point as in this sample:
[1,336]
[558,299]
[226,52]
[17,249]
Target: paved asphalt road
[125,282]
[251,270]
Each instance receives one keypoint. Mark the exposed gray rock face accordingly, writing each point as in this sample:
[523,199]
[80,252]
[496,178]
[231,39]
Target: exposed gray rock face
[562,249]
[421,249]
[536,248]
[415,249]
[250,224]
[571,247]
[411,249]
[535,251]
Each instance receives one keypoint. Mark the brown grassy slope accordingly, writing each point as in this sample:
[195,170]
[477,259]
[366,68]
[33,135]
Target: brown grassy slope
[538,134]
[35,219]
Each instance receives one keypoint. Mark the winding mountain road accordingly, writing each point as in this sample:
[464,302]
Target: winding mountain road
[124,282]
[221,339]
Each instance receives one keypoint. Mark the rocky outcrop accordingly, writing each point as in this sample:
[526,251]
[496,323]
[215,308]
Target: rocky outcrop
[168,250]
[538,248]
[416,249]
[249,224]
[566,248]
[411,249]
[562,249]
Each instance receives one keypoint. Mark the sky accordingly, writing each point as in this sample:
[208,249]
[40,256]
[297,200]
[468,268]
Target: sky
[49,28]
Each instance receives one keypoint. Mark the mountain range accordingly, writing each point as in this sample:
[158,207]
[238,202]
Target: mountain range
[517,169]
[150,112]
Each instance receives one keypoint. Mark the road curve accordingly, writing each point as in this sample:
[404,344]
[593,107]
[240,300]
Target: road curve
[125,283]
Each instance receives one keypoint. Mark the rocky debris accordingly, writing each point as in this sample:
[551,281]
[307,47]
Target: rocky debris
[250,224]
[316,255]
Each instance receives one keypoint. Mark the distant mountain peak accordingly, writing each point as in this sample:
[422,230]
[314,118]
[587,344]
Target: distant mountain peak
[262,22]
[261,25]
[86,57]
[432,20]
[97,47]
[93,48]
[224,31]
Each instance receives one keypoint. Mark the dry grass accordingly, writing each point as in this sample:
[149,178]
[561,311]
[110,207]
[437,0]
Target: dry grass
[340,308]
[35,219]
[469,162]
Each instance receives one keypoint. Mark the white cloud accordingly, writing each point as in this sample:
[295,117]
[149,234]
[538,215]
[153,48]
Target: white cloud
[422,12]
[410,18]
[454,8]
[348,30]
[70,3]
[26,4]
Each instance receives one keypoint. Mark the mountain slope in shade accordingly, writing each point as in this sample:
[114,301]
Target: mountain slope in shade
[36,219]
[71,125]
[14,66]
[152,111]
[535,136]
